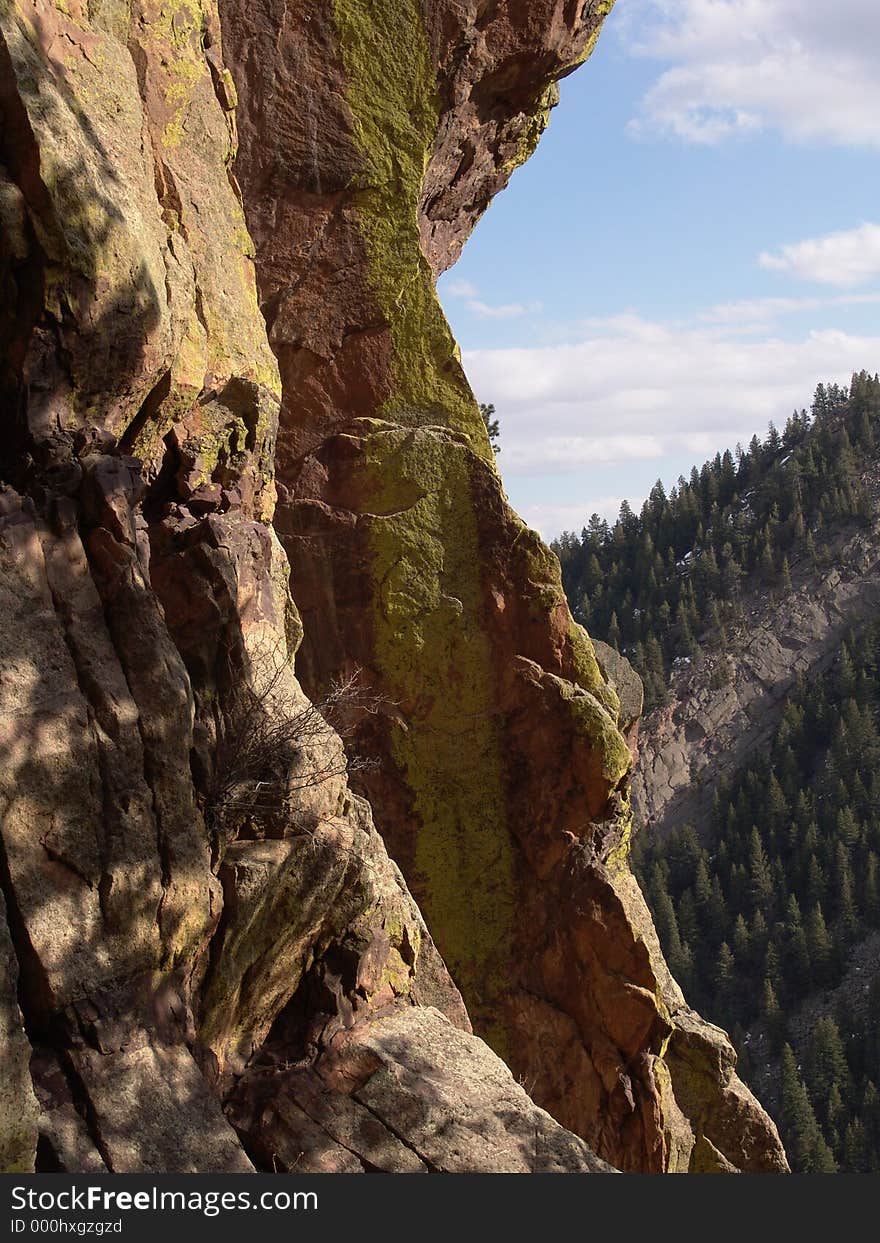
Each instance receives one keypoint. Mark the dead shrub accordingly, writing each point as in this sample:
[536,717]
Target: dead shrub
[268,751]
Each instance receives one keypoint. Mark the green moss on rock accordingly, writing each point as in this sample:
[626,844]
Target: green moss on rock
[431,644]
[393,98]
[433,651]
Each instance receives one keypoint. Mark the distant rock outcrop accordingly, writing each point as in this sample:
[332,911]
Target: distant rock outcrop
[721,711]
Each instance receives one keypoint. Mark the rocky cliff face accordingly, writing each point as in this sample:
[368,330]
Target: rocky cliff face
[210,960]
[503,773]
[722,711]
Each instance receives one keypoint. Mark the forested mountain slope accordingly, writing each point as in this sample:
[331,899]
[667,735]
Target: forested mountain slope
[771,557]
[747,598]
[772,924]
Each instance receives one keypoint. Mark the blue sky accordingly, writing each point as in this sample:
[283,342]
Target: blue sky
[695,244]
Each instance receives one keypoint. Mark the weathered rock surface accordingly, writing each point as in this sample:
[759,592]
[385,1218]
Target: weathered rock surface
[713,723]
[197,903]
[372,136]
[18,1104]
[627,686]
[405,1092]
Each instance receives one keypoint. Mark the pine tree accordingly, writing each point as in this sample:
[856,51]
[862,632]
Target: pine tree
[760,875]
[820,946]
[806,1146]
[773,967]
[725,981]
[871,1113]
[855,1148]
[835,1119]
[492,425]
[846,903]
[826,1064]
[775,803]
[740,944]
[797,954]
[766,564]
[771,1013]
[815,888]
[786,575]
[810,548]
[688,921]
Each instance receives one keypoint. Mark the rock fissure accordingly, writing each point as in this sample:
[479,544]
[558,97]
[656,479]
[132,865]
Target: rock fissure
[389,1126]
[83,1105]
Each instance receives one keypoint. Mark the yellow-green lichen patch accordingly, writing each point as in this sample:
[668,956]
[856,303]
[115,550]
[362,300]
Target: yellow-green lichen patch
[177,25]
[618,855]
[210,244]
[537,122]
[431,647]
[596,723]
[532,130]
[677,1133]
[601,9]
[544,579]
[392,94]
[586,671]
[432,650]
[112,16]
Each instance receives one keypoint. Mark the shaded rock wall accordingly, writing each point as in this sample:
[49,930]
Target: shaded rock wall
[372,136]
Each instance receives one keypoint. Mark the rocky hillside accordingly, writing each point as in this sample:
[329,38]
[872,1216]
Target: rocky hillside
[236,432]
[786,620]
[755,788]
[724,592]
[730,705]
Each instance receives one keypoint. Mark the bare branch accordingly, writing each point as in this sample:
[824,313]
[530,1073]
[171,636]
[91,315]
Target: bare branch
[270,749]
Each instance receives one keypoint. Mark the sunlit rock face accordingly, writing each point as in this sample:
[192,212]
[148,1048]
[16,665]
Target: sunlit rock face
[371,138]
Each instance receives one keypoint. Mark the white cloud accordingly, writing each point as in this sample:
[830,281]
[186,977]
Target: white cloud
[552,520]
[632,389]
[756,314]
[761,311]
[804,68]
[460,289]
[467,292]
[844,259]
[485,311]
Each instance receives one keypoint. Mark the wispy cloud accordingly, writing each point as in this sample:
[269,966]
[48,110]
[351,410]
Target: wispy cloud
[756,314]
[509,310]
[465,291]
[460,289]
[735,67]
[845,259]
[631,389]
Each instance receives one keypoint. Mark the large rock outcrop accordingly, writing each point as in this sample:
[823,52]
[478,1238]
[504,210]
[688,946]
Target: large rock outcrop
[372,136]
[212,963]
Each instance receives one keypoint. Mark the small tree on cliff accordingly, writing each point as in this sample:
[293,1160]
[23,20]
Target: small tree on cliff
[492,427]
